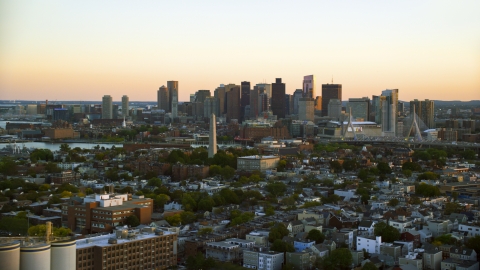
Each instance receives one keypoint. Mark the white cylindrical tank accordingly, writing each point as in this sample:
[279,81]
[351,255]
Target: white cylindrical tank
[64,255]
[10,256]
[35,257]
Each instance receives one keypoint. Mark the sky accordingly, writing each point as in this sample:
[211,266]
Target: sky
[82,50]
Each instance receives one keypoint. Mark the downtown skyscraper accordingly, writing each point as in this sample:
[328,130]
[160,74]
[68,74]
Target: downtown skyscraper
[125,106]
[330,91]
[309,86]
[389,112]
[107,108]
[278,98]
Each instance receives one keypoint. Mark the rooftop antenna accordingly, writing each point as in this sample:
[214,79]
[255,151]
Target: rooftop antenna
[332,79]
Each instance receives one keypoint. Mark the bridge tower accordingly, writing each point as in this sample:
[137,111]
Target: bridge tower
[414,126]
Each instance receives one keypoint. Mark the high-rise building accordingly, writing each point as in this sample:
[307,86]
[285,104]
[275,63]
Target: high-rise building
[306,109]
[163,99]
[254,95]
[201,95]
[330,91]
[360,108]
[172,88]
[232,101]
[318,103]
[309,86]
[335,109]
[278,98]
[267,88]
[212,140]
[288,104]
[220,95]
[244,99]
[107,109]
[125,106]
[297,95]
[174,103]
[424,110]
[389,112]
[210,106]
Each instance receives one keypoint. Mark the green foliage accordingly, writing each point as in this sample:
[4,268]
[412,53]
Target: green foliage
[340,258]
[41,154]
[240,218]
[281,165]
[51,167]
[174,220]
[199,262]
[363,174]
[350,164]
[229,196]
[407,173]
[468,154]
[14,225]
[64,147]
[369,266]
[426,190]
[387,232]
[428,176]
[281,246]
[8,166]
[393,202]
[336,166]
[206,204]
[412,166]
[446,239]
[316,235]
[311,204]
[188,217]
[132,221]
[189,203]
[204,231]
[415,200]
[453,207]
[276,188]
[41,229]
[474,242]
[384,168]
[277,232]
[332,198]
[155,182]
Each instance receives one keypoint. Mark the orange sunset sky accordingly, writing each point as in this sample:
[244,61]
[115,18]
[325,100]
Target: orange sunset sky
[82,50]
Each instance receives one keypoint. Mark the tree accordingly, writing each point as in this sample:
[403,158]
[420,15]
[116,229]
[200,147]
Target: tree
[276,188]
[188,217]
[363,174]
[8,166]
[277,232]
[369,266]
[160,200]
[174,220]
[393,202]
[132,221]
[452,207]
[387,232]
[155,182]
[474,242]
[41,154]
[446,239]
[335,166]
[428,176]
[412,166]
[281,165]
[316,235]
[189,203]
[407,173]
[468,154]
[426,190]
[66,194]
[205,230]
[384,168]
[281,246]
[64,147]
[340,258]
[206,204]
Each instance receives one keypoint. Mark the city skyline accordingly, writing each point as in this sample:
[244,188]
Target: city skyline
[80,51]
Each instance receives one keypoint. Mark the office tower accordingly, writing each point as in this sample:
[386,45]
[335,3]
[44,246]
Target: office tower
[232,101]
[254,95]
[220,95]
[163,99]
[210,105]
[174,103]
[125,106]
[31,109]
[172,88]
[244,99]
[297,95]
[278,98]
[60,114]
[306,109]
[389,112]
[267,88]
[335,109]
[263,100]
[318,103]
[201,95]
[330,91]
[309,86]
[424,110]
[115,108]
[197,110]
[401,108]
[107,112]
[212,140]
[288,104]
[376,110]
[360,108]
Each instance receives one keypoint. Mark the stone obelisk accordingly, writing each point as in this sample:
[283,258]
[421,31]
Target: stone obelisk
[212,141]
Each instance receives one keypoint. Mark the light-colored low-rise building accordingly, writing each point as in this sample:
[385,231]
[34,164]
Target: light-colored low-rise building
[257,163]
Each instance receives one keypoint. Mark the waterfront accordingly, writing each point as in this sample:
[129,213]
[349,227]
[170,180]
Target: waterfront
[54,146]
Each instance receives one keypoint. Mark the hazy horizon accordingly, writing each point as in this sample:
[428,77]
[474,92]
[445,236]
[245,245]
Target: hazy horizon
[59,50]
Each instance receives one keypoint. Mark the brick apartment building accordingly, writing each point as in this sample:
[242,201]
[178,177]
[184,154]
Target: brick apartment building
[99,213]
[181,172]
[257,133]
[128,249]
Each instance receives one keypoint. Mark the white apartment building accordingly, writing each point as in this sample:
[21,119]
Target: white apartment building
[371,245]
[470,229]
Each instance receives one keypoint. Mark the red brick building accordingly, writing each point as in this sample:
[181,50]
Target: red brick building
[181,172]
